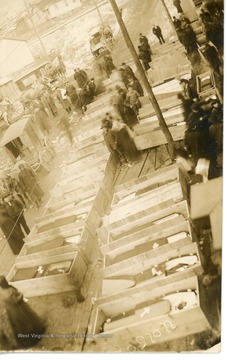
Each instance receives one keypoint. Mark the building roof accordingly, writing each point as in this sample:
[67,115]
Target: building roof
[14,130]
[44,4]
[10,39]
[4,80]
[30,68]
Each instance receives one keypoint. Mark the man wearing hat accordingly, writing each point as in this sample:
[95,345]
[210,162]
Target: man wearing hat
[111,141]
[81,77]
[15,211]
[196,116]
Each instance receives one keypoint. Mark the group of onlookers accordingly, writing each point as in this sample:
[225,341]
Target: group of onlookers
[18,193]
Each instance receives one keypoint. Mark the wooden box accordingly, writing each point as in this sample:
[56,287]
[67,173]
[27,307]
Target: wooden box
[153,191]
[152,180]
[100,148]
[87,212]
[140,317]
[133,252]
[91,141]
[79,238]
[81,186]
[80,198]
[167,261]
[150,123]
[56,222]
[65,204]
[22,275]
[57,231]
[135,222]
[156,230]
[76,168]
[157,138]
[114,228]
[172,192]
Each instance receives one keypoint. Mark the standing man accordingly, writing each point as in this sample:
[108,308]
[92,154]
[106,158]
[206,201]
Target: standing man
[145,57]
[110,139]
[177,4]
[12,232]
[132,98]
[15,211]
[81,77]
[30,185]
[108,65]
[143,39]
[158,32]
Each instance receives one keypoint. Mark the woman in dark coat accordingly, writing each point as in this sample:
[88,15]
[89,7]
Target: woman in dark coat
[30,185]
[12,232]
[125,143]
[127,114]
[108,65]
[22,318]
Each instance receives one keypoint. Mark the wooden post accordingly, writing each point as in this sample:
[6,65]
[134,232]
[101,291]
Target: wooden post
[169,16]
[143,76]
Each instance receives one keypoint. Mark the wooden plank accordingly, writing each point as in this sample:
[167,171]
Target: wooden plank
[42,254]
[89,150]
[78,238]
[81,165]
[150,123]
[86,159]
[171,116]
[157,138]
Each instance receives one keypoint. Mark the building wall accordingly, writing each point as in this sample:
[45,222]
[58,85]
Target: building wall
[39,17]
[14,55]
[61,7]
[9,90]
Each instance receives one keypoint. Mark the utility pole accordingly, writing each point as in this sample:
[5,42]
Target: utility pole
[37,33]
[169,16]
[145,81]
[97,8]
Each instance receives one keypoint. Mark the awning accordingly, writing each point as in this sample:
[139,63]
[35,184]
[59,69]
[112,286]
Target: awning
[14,130]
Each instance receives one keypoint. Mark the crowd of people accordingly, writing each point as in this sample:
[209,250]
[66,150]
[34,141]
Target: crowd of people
[203,115]
[204,134]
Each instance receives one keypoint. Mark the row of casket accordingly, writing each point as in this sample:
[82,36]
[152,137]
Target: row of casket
[148,133]
[150,288]
[59,247]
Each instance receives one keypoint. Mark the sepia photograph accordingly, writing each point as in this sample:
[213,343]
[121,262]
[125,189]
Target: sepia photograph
[111,176]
